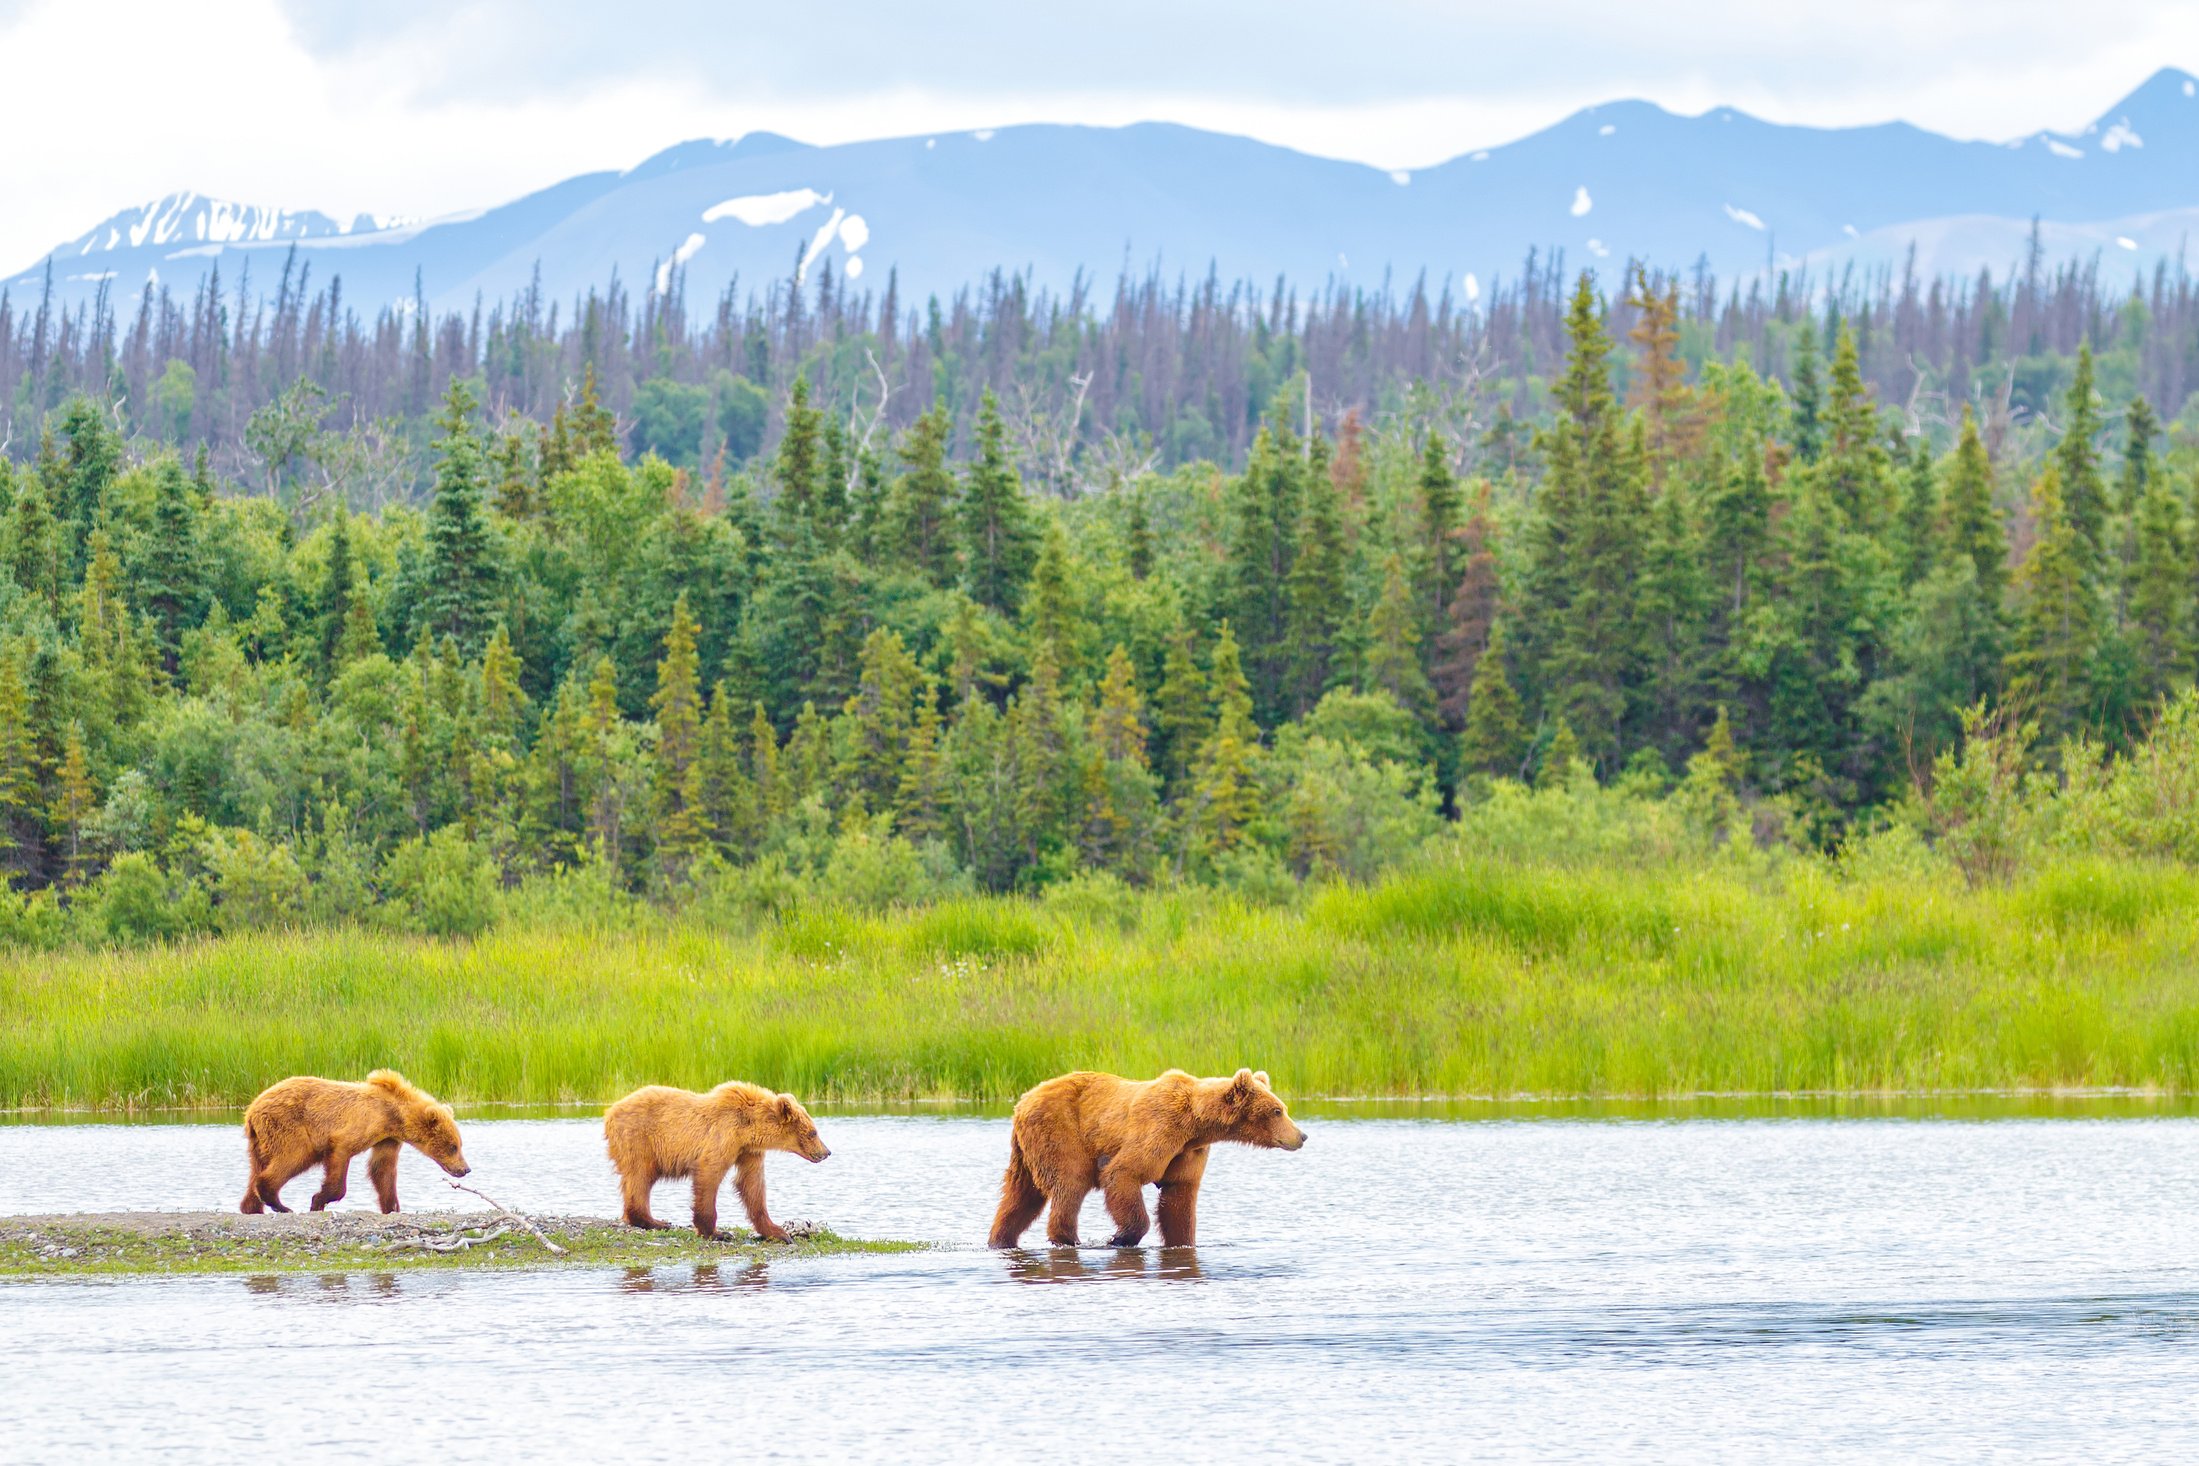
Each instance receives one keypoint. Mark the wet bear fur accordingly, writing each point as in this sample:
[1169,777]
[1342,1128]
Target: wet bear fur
[1084,1130]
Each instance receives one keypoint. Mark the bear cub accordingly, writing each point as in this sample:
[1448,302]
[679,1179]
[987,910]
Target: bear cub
[658,1132]
[303,1122]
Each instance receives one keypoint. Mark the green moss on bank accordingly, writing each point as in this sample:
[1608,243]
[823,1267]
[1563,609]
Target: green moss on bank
[213,1242]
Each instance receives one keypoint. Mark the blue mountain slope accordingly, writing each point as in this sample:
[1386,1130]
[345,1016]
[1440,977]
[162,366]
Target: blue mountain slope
[1625,179]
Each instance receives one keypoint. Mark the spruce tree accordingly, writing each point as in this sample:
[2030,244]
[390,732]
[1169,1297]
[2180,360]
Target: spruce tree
[2159,596]
[1584,562]
[1263,508]
[1807,394]
[1440,505]
[1050,609]
[336,592]
[2140,464]
[877,721]
[1495,737]
[797,470]
[1138,537]
[1973,525]
[2057,634]
[1316,600]
[681,829]
[74,802]
[34,556]
[999,542]
[1915,544]
[1561,758]
[923,506]
[2077,457]
[1470,615]
[458,597]
[1180,717]
[1118,721]
[1225,798]
[174,593]
[1392,663]
[20,813]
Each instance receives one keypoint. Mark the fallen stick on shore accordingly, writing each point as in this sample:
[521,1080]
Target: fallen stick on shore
[539,1235]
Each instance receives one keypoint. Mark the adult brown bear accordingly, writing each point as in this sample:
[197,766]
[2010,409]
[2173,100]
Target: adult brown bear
[1084,1130]
[657,1131]
[304,1122]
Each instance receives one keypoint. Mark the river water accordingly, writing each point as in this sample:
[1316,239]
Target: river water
[1399,1290]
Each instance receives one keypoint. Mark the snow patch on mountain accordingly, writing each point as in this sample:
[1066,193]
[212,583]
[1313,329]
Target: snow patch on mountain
[2121,136]
[757,210]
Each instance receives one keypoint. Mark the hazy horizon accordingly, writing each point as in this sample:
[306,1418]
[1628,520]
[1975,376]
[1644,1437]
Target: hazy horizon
[416,110]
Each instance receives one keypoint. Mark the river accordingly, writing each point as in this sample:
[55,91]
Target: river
[1546,1289]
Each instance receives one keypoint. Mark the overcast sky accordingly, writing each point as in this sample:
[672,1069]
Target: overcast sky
[422,107]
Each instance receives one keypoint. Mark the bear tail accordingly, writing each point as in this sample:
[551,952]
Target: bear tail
[1020,1199]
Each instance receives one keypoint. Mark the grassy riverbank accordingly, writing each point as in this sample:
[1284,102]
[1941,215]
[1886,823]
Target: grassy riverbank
[1459,978]
[349,1242]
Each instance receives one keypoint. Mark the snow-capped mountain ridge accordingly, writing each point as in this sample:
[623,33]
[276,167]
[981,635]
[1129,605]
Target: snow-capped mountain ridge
[1617,181]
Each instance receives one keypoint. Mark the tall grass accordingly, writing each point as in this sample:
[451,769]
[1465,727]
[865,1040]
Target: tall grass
[1464,977]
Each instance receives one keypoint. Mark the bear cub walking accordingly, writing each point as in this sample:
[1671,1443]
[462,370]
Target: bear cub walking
[304,1122]
[658,1132]
[1086,1130]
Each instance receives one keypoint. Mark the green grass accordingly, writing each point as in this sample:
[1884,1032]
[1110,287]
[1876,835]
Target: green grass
[1461,978]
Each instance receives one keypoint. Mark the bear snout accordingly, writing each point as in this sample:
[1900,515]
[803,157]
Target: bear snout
[457,1166]
[1297,1138]
[823,1154]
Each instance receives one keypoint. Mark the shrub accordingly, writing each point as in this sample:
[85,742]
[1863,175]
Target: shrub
[256,883]
[443,885]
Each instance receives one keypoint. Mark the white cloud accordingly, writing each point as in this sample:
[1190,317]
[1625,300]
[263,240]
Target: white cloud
[1582,203]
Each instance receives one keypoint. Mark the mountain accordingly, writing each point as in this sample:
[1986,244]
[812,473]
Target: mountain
[1628,179]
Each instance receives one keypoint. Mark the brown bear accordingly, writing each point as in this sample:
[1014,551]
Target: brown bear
[1084,1130]
[304,1122]
[658,1132]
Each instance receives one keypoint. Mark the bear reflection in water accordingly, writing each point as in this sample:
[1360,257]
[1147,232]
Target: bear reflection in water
[1067,1265]
[706,1277]
[322,1287]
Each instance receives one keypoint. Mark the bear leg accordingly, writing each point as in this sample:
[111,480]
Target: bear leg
[748,1179]
[382,1171]
[1061,1215]
[335,1179]
[707,1182]
[1179,1204]
[634,1185]
[278,1171]
[1126,1204]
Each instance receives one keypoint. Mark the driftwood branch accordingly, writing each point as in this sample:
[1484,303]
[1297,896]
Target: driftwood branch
[503,1210]
[456,1242]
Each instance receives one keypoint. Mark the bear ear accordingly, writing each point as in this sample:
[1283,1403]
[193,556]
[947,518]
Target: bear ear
[1261,1076]
[786,1106]
[1241,1086]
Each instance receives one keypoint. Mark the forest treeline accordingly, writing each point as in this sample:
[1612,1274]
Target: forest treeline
[297,388]
[877,660]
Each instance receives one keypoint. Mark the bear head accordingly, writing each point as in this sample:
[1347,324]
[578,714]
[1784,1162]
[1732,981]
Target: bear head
[1247,1110]
[790,1128]
[429,1125]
